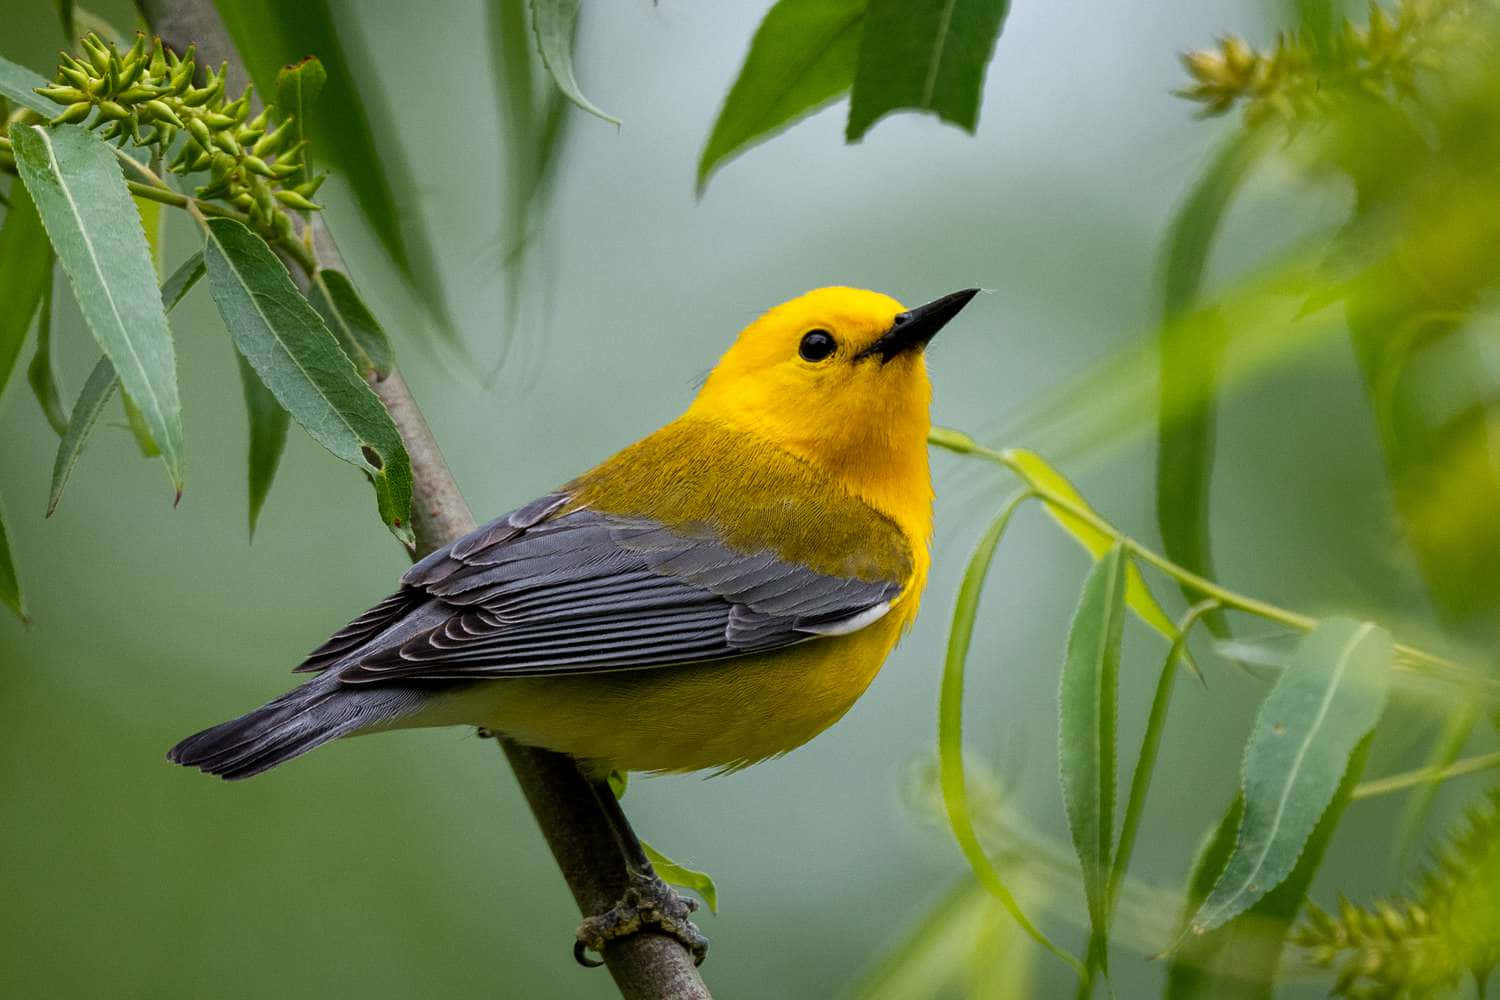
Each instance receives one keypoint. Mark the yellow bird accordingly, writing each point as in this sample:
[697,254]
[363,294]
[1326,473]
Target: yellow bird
[718,593]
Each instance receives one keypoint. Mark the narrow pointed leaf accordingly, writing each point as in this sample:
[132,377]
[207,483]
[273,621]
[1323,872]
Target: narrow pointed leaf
[683,877]
[152,221]
[175,288]
[343,125]
[1087,711]
[554,22]
[300,361]
[25,272]
[1035,470]
[297,89]
[268,424]
[1307,728]
[95,231]
[1190,355]
[19,84]
[10,581]
[1239,960]
[358,331]
[952,778]
[96,392]
[65,17]
[925,55]
[801,58]
[42,372]
[101,386]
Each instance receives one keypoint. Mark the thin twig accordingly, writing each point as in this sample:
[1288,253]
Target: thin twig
[1422,775]
[644,965]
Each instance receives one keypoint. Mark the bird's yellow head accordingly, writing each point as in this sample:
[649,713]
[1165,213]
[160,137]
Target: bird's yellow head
[837,377]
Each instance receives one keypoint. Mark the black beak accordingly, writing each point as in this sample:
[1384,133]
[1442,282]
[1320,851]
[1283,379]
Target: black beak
[914,328]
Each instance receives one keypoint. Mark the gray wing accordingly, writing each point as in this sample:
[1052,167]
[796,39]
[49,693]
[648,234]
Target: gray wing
[533,594]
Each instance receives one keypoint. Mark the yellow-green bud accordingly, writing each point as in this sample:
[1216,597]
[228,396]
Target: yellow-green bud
[73,113]
[215,120]
[63,95]
[131,95]
[275,141]
[200,132]
[160,111]
[76,77]
[226,142]
[292,199]
[256,165]
[97,53]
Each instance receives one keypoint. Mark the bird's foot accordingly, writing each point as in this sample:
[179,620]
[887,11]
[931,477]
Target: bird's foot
[649,903]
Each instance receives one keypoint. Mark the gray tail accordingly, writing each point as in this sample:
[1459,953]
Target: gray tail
[300,720]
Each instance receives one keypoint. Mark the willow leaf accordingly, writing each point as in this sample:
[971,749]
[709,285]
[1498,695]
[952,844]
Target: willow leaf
[950,728]
[41,374]
[10,581]
[1191,352]
[684,877]
[176,287]
[152,223]
[297,89]
[268,424]
[96,233]
[1307,728]
[300,361]
[96,392]
[554,22]
[1087,711]
[19,85]
[358,331]
[801,58]
[25,273]
[926,55]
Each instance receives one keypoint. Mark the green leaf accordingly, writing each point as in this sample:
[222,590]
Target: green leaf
[927,55]
[96,233]
[1239,960]
[1088,700]
[175,288]
[25,274]
[950,729]
[297,90]
[10,581]
[268,424]
[19,85]
[1457,726]
[96,392]
[801,58]
[152,221]
[358,331]
[1308,726]
[683,877]
[42,372]
[298,359]
[343,124]
[1191,353]
[1046,480]
[65,17]
[554,22]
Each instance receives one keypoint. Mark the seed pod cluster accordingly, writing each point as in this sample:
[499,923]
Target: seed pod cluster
[1419,947]
[1299,75]
[152,98]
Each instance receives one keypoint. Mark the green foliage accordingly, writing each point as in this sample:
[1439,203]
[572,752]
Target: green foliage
[299,360]
[926,55]
[297,89]
[41,374]
[10,583]
[555,22]
[342,124]
[1088,703]
[359,332]
[1420,946]
[802,57]
[683,877]
[1239,960]
[96,392]
[19,85]
[268,424]
[96,234]
[1325,702]
[25,273]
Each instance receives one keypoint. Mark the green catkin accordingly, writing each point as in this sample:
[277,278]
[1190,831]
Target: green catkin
[1421,946]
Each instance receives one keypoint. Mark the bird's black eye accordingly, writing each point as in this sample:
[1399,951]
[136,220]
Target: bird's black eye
[817,345]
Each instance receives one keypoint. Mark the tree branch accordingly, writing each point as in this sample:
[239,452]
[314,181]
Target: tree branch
[644,965]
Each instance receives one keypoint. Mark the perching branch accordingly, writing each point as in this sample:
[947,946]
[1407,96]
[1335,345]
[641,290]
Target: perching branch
[644,965]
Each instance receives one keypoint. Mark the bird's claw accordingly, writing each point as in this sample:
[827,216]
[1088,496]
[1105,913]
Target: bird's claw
[649,903]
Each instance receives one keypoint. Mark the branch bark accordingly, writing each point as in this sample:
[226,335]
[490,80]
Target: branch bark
[645,965]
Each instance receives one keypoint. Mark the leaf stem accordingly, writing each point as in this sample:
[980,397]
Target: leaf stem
[1407,657]
[1422,775]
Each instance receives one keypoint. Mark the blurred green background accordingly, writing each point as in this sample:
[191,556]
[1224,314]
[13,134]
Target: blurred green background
[407,864]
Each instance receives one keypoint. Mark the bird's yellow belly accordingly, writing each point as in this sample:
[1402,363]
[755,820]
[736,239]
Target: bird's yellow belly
[710,715]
